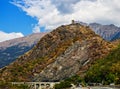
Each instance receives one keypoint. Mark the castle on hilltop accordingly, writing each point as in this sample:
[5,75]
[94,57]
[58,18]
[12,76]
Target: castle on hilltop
[75,22]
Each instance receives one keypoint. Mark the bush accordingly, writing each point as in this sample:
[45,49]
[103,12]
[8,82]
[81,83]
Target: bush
[72,80]
[63,85]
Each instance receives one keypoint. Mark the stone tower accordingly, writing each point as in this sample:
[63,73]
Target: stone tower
[73,22]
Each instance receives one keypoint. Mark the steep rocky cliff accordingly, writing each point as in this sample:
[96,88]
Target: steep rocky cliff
[67,50]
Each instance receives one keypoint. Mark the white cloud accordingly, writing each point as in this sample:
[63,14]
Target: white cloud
[7,36]
[52,13]
[36,29]
[64,6]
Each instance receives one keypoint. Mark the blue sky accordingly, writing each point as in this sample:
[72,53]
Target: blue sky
[19,18]
[13,19]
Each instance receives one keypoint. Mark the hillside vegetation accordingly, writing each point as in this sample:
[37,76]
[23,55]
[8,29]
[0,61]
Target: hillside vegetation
[106,70]
[6,85]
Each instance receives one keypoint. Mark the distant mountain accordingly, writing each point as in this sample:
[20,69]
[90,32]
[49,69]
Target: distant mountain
[108,32]
[10,50]
[62,53]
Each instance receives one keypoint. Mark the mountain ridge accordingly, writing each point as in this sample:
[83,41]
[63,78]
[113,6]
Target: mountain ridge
[109,32]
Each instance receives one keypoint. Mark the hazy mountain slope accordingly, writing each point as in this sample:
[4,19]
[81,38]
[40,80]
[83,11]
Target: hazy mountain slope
[65,51]
[10,50]
[116,36]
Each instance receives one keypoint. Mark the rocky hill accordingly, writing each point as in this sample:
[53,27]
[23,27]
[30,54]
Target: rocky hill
[10,50]
[64,52]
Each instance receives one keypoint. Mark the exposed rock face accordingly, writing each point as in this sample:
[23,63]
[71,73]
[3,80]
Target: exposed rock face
[10,50]
[67,64]
[65,51]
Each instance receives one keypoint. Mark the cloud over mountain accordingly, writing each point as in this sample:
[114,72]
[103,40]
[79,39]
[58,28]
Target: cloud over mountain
[7,36]
[52,13]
